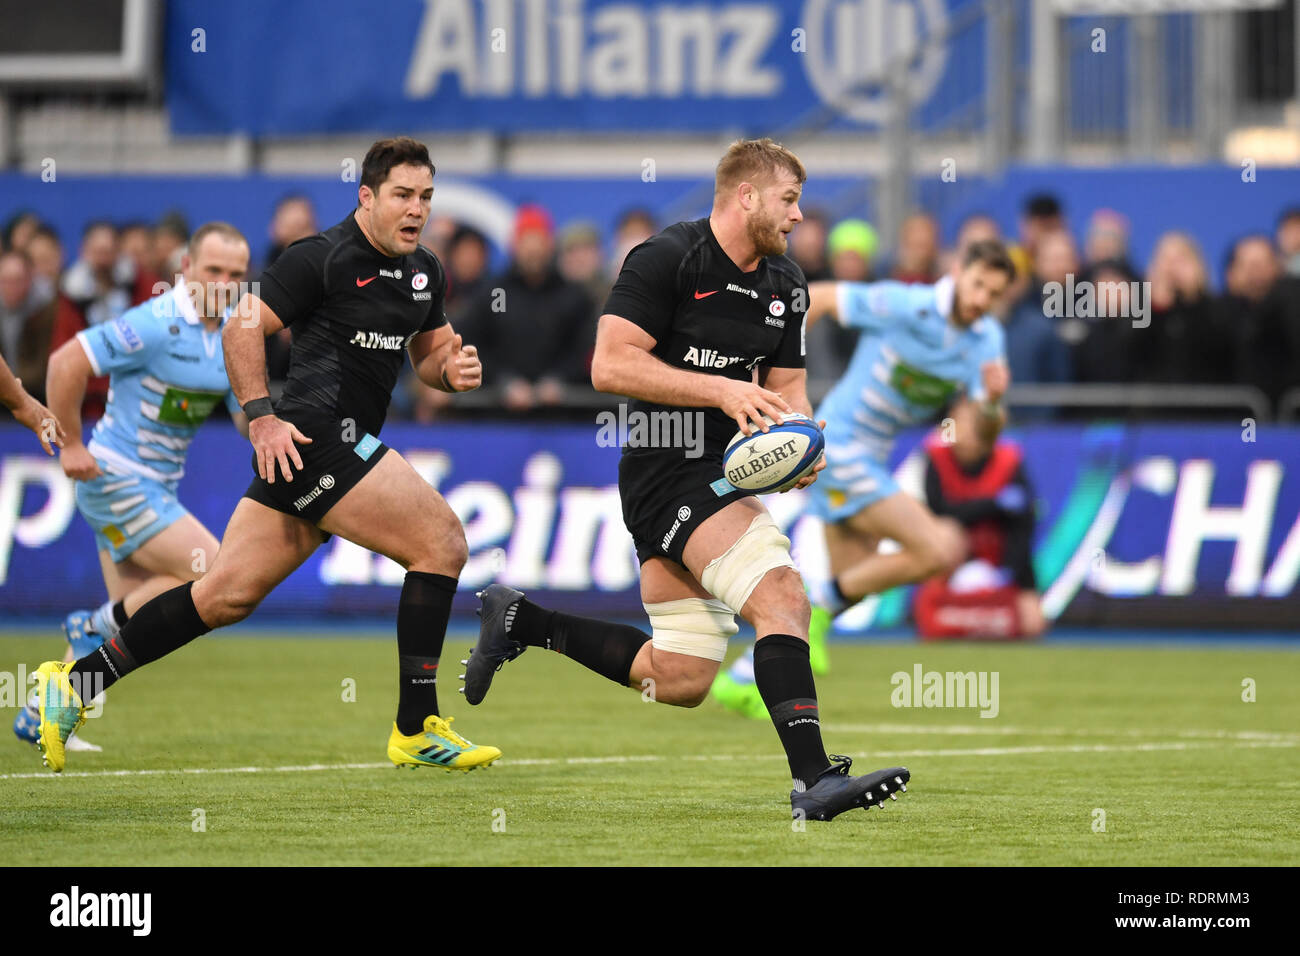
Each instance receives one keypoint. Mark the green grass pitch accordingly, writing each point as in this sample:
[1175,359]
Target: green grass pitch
[1153,743]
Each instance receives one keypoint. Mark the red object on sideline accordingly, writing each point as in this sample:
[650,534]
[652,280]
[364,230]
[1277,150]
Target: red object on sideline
[990,614]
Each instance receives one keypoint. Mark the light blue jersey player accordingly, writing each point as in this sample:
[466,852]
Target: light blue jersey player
[921,348]
[167,372]
[912,361]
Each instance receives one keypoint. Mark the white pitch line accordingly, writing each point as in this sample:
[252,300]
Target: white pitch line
[657,758]
[1082,748]
[961,730]
[304,768]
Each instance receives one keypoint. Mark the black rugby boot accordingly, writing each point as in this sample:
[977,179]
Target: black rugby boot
[835,791]
[495,647]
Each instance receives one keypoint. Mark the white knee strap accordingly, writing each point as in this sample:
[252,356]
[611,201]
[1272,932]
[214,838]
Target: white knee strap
[733,575]
[691,626]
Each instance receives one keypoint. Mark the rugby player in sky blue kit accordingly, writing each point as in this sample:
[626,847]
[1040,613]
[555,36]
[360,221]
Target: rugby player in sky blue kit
[167,372]
[922,348]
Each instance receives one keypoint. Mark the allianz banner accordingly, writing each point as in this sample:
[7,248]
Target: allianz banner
[1137,525]
[311,66]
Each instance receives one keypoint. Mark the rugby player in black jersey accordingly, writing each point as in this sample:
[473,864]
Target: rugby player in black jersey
[705,315]
[358,297]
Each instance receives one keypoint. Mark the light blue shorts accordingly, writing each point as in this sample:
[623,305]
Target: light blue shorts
[126,510]
[848,484]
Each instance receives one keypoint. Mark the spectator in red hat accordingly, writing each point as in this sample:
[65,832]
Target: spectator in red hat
[534,329]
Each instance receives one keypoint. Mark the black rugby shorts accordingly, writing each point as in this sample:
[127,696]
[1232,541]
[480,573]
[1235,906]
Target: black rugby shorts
[666,496]
[332,464]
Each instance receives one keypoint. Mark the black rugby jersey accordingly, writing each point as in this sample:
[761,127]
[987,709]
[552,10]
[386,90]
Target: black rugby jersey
[708,316]
[352,311]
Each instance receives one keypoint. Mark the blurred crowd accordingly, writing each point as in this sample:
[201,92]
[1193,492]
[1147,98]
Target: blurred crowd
[532,307]
[1162,324]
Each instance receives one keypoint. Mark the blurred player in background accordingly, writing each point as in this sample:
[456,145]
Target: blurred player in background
[167,372]
[981,490]
[705,315]
[359,296]
[921,346]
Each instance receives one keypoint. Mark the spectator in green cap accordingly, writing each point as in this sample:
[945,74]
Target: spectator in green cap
[829,345]
[852,244]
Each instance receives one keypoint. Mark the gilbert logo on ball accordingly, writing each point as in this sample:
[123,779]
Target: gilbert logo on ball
[775,460]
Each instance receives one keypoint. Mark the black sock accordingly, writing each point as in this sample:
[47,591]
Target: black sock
[167,622]
[119,612]
[422,614]
[785,680]
[608,649]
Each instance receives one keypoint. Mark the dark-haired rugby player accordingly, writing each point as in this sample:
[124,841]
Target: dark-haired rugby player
[358,297]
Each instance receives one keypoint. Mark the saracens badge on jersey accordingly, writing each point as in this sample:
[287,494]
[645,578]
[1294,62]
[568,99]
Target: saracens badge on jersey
[419,281]
[777,307]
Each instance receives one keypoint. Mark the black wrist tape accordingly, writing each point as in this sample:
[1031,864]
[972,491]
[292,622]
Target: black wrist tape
[257,407]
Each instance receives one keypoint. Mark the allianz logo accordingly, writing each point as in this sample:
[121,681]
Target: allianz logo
[709,358]
[377,340]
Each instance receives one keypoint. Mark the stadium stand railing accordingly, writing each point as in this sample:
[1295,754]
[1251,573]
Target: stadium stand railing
[1210,401]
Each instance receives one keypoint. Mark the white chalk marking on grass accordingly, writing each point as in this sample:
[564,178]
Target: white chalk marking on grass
[616,758]
[1082,749]
[960,730]
[304,768]
[657,758]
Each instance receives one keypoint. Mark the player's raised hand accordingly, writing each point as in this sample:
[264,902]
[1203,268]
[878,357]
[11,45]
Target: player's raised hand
[997,379]
[463,370]
[273,441]
[42,421]
[747,403]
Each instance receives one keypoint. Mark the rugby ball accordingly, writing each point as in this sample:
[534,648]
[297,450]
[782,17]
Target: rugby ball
[774,460]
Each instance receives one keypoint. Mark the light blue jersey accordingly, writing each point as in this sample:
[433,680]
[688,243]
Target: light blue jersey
[910,362]
[166,374]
